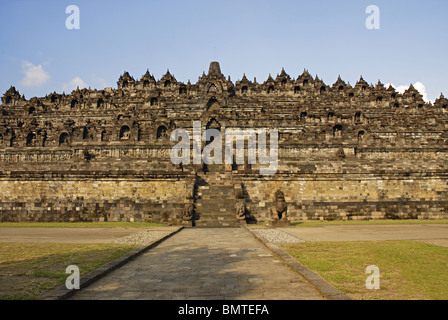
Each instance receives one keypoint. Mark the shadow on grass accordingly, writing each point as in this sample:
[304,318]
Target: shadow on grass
[27,270]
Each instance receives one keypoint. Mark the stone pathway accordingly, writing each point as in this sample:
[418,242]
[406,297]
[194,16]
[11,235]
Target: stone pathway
[205,264]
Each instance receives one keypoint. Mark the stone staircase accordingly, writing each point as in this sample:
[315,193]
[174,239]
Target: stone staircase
[215,200]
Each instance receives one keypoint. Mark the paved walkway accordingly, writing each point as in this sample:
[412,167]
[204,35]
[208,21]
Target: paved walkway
[206,264]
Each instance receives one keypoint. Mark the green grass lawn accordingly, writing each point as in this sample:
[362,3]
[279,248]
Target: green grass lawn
[408,269]
[314,224]
[79,224]
[29,269]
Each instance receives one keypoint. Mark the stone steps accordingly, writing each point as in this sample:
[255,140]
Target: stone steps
[216,220]
[215,200]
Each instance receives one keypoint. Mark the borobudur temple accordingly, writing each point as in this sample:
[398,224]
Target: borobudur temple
[344,152]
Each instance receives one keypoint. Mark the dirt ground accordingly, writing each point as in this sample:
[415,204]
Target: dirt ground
[436,234]
[69,235]
[430,233]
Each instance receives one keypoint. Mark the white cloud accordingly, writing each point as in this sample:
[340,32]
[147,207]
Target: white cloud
[418,85]
[34,75]
[73,84]
[99,83]
[422,89]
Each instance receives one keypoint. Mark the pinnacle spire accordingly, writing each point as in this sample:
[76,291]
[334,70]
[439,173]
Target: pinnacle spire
[214,69]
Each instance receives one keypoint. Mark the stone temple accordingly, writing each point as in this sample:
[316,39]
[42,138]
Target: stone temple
[345,152]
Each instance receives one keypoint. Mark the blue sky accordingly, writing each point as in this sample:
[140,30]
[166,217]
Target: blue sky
[39,55]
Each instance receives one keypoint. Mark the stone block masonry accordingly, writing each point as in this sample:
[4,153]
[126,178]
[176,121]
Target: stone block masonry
[74,198]
[345,152]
